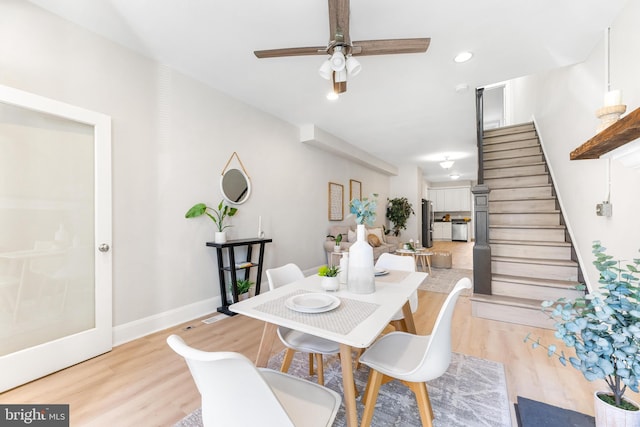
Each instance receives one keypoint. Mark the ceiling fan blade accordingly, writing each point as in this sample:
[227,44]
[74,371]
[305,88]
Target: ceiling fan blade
[339,21]
[291,51]
[391,46]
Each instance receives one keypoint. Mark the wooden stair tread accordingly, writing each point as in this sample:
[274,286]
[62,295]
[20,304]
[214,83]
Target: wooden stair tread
[515,166]
[521,186]
[500,146]
[530,243]
[526,227]
[550,283]
[538,261]
[555,211]
[528,303]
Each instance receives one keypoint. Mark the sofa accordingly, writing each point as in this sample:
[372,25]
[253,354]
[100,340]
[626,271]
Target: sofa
[381,243]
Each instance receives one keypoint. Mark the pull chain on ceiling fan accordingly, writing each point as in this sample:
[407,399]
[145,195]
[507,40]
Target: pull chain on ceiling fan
[341,51]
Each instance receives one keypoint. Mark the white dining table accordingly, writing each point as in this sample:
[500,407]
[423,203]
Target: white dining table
[354,324]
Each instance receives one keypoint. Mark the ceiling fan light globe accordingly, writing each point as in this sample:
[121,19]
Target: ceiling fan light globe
[325,70]
[337,61]
[353,66]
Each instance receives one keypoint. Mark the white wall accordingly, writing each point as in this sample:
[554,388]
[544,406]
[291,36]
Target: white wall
[172,137]
[409,184]
[563,103]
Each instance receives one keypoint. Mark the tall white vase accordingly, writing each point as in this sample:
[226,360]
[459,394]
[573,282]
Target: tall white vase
[360,277]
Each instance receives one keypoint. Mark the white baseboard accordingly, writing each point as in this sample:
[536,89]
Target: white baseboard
[142,327]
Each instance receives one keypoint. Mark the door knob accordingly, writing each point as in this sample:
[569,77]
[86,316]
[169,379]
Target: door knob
[103,247]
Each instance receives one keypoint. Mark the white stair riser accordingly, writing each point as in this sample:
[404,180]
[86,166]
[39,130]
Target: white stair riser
[517,181]
[544,205]
[562,253]
[514,161]
[527,234]
[514,171]
[523,290]
[511,314]
[521,136]
[541,271]
[524,219]
[543,192]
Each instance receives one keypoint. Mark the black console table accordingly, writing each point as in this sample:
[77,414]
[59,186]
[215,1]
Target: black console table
[230,245]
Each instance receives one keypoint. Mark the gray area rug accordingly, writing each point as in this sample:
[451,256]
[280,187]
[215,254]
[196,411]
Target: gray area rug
[444,279]
[472,393]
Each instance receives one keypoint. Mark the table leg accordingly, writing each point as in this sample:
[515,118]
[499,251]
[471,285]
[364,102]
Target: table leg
[346,359]
[408,318]
[266,344]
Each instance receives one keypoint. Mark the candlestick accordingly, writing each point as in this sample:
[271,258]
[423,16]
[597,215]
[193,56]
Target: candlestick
[613,97]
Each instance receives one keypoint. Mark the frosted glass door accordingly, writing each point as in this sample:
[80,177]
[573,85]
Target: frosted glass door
[51,315]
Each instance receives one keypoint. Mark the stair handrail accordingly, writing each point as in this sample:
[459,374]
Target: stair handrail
[480,131]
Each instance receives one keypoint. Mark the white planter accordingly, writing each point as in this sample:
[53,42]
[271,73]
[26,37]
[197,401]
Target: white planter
[360,277]
[220,237]
[610,416]
[330,283]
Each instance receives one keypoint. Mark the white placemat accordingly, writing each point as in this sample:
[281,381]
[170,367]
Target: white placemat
[349,314]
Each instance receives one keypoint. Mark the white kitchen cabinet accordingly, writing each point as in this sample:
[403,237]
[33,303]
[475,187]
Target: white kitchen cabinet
[442,231]
[456,199]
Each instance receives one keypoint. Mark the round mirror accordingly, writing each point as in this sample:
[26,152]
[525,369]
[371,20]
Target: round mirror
[235,186]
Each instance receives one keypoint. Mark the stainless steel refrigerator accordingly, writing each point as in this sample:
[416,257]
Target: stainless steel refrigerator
[427,223]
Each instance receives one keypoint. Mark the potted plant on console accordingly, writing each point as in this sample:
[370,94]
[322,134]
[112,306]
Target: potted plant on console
[242,287]
[218,217]
[603,328]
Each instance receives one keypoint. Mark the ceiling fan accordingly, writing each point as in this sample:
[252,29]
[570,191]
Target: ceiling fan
[341,49]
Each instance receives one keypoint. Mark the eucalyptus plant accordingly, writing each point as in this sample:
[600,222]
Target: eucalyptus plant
[365,209]
[603,327]
[398,212]
[218,216]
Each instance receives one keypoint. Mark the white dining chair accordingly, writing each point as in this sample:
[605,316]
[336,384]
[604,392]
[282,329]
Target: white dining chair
[388,261]
[296,340]
[236,393]
[412,359]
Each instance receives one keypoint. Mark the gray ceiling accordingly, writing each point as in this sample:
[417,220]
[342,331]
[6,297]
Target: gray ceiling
[401,108]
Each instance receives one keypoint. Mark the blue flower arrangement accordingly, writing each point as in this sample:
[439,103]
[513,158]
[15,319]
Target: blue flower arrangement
[364,210]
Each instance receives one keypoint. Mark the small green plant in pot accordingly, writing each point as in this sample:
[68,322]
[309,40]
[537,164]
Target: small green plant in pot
[398,212]
[243,286]
[329,277]
[217,216]
[603,328]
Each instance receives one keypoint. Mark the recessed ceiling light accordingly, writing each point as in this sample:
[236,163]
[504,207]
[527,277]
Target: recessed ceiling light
[463,57]
[454,176]
[332,96]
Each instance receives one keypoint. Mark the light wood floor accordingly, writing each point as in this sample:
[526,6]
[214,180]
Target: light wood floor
[143,383]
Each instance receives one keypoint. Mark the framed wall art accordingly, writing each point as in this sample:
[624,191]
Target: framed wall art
[336,196]
[355,190]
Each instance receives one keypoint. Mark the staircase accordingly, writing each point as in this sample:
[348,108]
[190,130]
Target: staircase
[531,255]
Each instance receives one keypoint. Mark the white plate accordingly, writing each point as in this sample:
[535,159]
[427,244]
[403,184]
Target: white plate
[379,272]
[312,303]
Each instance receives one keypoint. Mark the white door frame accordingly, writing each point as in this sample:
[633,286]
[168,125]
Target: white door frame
[25,365]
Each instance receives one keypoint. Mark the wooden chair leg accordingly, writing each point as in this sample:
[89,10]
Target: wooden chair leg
[310,364]
[320,368]
[371,396]
[286,361]
[424,404]
[399,325]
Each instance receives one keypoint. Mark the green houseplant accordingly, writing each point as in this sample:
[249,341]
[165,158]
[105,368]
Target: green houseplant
[217,216]
[329,276]
[398,212]
[603,328]
[243,286]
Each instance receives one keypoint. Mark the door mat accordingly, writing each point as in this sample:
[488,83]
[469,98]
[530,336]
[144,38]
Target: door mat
[531,413]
